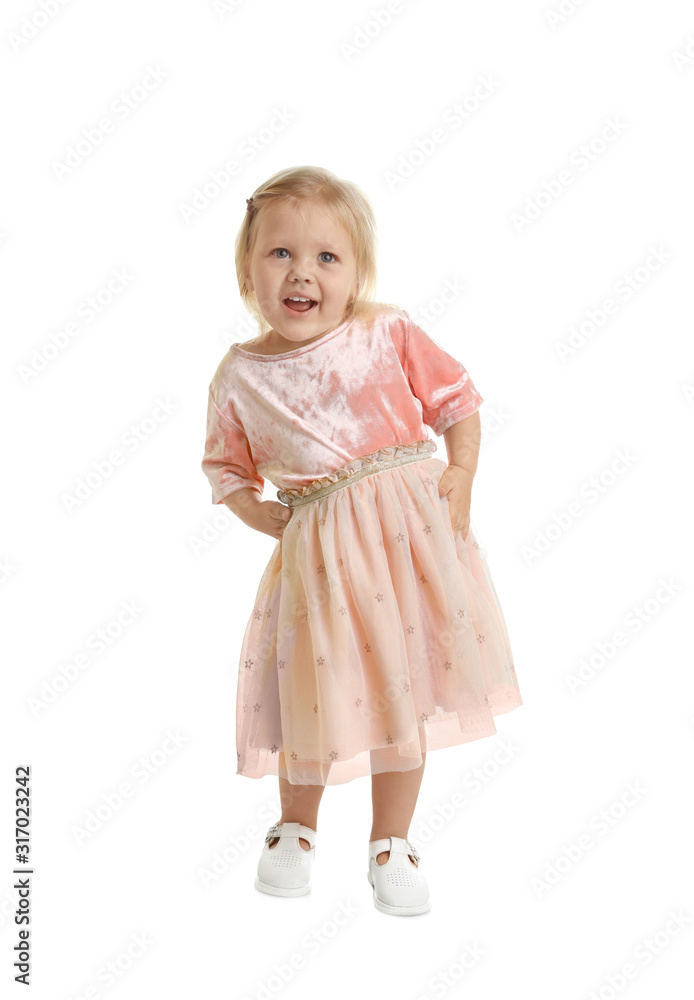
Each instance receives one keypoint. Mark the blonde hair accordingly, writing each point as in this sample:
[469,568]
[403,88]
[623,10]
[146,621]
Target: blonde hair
[348,204]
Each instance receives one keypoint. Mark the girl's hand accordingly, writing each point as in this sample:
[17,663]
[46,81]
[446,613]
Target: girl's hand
[268,516]
[456,484]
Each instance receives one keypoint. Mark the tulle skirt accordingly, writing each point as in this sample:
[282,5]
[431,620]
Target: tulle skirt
[376,633]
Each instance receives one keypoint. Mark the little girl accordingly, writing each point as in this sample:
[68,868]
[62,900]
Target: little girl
[376,633]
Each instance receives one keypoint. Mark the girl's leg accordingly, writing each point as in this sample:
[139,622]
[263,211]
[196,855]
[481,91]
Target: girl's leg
[299,805]
[394,796]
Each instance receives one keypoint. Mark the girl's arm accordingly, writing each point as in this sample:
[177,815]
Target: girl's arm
[268,516]
[242,500]
[462,445]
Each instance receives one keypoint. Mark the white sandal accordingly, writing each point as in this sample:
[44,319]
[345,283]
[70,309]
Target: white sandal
[398,886]
[285,869]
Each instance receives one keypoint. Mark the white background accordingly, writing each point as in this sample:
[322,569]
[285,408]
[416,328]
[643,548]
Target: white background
[509,879]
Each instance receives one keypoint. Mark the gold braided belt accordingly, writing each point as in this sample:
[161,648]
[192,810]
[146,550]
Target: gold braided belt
[385,458]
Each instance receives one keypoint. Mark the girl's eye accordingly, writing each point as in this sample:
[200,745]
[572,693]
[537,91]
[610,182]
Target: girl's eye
[283,250]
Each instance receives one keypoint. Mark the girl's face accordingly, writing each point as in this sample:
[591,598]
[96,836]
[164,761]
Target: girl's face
[309,257]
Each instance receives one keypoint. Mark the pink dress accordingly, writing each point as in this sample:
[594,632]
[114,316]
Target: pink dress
[376,632]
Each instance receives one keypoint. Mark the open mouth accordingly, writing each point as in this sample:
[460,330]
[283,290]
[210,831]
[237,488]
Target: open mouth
[299,304]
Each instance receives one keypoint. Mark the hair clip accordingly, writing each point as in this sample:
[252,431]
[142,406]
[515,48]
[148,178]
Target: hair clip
[250,203]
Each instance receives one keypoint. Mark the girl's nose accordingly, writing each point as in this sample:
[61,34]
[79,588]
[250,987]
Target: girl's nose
[300,269]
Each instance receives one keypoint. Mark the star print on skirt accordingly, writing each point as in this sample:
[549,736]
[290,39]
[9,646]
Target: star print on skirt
[376,633]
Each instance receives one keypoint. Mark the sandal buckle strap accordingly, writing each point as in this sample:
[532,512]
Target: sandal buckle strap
[274,831]
[413,852]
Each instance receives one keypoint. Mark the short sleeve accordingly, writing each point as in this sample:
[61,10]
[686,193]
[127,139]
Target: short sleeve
[227,462]
[438,380]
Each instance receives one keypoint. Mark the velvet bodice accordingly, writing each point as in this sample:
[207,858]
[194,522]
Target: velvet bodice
[294,417]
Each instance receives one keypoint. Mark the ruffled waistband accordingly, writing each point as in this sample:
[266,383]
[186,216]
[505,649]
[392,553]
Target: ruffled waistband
[385,458]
